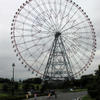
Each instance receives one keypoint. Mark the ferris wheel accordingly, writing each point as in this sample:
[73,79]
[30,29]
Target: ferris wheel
[53,38]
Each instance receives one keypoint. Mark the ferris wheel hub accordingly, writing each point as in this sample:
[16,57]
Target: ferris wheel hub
[57,34]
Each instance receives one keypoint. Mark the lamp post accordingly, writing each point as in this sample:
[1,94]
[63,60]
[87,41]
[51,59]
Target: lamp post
[13,65]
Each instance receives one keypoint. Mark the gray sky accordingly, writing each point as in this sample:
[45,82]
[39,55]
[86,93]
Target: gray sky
[7,56]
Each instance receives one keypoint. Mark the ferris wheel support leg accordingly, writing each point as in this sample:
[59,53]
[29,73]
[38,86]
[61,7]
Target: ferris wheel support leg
[58,61]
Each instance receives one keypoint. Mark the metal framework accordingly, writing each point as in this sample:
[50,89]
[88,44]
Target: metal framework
[58,65]
[55,39]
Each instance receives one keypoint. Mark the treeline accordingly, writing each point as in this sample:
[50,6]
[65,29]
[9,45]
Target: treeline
[33,80]
[30,80]
[6,85]
[5,80]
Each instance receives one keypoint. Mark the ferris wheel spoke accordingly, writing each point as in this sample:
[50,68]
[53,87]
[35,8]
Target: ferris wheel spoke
[64,11]
[74,25]
[79,28]
[76,47]
[44,60]
[80,46]
[19,36]
[38,20]
[29,20]
[85,38]
[39,38]
[26,17]
[22,29]
[37,45]
[39,56]
[82,54]
[55,10]
[73,68]
[75,59]
[60,7]
[42,16]
[27,24]
[24,23]
[86,43]
[79,38]
[82,51]
[30,47]
[70,19]
[31,30]
[70,41]
[55,6]
[82,59]
[63,15]
[51,15]
[38,23]
[36,60]
[76,63]
[69,49]
[69,11]
[71,32]
[77,33]
[42,47]
[83,27]
[45,7]
[31,35]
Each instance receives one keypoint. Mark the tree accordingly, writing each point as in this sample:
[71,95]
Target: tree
[25,87]
[86,80]
[16,86]
[94,87]
[5,87]
[44,86]
[37,87]
[33,80]
[37,81]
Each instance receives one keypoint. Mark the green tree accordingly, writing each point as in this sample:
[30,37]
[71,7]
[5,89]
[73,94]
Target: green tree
[16,86]
[94,87]
[26,87]
[5,87]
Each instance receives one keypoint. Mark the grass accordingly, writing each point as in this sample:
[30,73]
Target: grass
[74,90]
[87,97]
[3,95]
[79,90]
[1,85]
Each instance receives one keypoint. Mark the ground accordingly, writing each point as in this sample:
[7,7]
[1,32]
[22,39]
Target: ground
[63,96]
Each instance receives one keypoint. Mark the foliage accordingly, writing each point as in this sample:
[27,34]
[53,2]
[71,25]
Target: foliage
[33,80]
[87,98]
[86,80]
[5,87]
[94,87]
[26,87]
[9,97]
[2,80]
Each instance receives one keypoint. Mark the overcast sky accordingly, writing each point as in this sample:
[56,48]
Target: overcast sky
[7,56]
